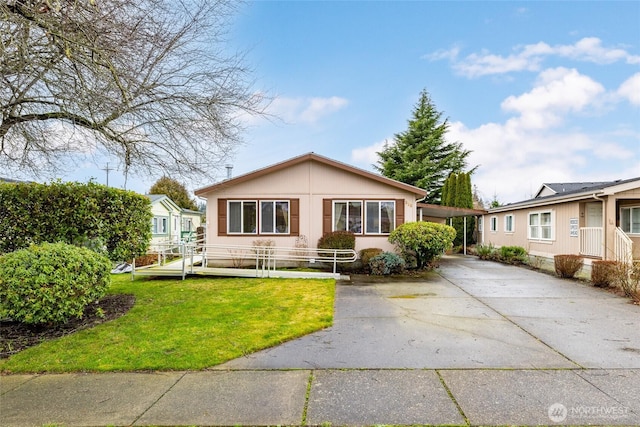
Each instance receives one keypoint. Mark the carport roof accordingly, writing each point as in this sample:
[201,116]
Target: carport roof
[437,211]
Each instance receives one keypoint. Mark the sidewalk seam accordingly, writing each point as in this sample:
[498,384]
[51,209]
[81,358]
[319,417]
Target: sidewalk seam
[158,399]
[452,397]
[305,408]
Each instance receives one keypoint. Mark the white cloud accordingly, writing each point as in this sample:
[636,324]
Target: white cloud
[305,110]
[557,91]
[530,57]
[367,156]
[630,89]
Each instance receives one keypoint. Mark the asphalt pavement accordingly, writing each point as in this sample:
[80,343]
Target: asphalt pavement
[476,343]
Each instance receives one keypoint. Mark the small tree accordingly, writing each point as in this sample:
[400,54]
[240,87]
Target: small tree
[175,190]
[422,241]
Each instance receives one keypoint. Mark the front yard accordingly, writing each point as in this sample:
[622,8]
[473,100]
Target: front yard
[187,325]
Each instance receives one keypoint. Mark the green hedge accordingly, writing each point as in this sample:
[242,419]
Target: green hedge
[51,283]
[115,220]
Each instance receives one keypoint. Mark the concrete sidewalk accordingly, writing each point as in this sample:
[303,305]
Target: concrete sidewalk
[479,343]
[338,397]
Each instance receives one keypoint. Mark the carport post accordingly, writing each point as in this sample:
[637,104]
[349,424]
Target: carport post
[464,234]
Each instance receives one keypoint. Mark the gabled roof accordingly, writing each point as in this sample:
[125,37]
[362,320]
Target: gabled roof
[575,191]
[567,187]
[165,201]
[316,158]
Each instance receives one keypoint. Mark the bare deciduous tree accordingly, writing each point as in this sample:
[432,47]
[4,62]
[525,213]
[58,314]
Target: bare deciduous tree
[149,82]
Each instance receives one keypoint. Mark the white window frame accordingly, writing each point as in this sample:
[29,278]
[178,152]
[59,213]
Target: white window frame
[159,225]
[274,229]
[346,224]
[392,225]
[509,223]
[493,224]
[539,226]
[242,230]
[634,228]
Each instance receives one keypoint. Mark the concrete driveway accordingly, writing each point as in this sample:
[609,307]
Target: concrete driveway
[470,314]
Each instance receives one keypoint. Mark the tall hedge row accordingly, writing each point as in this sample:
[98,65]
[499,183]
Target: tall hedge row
[76,213]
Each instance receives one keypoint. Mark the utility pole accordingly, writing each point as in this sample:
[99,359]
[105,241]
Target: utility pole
[107,169]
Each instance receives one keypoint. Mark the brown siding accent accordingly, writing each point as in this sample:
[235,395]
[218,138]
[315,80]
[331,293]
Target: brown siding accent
[399,212]
[294,212]
[326,216]
[222,217]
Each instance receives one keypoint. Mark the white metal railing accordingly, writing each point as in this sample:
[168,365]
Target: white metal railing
[623,246]
[266,258]
[591,241]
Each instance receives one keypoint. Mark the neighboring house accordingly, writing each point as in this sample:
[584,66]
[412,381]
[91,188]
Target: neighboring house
[599,220]
[170,222]
[308,196]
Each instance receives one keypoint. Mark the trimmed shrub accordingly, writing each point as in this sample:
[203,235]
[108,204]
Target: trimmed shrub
[52,282]
[567,265]
[422,241]
[513,254]
[367,254]
[603,273]
[89,215]
[337,240]
[386,263]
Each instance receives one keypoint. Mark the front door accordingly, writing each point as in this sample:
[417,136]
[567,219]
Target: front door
[594,214]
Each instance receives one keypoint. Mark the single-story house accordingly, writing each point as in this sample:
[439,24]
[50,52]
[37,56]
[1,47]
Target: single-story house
[170,222]
[306,197]
[598,220]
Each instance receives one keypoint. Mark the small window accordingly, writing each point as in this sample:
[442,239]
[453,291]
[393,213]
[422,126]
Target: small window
[159,225]
[508,223]
[493,224]
[630,220]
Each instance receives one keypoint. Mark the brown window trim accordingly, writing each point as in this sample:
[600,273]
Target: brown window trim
[294,218]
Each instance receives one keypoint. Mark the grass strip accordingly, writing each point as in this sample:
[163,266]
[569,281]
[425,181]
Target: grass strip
[187,325]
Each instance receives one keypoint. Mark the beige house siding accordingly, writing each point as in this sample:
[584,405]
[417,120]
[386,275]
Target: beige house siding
[311,183]
[573,217]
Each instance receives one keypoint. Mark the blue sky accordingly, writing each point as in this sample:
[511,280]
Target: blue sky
[538,91]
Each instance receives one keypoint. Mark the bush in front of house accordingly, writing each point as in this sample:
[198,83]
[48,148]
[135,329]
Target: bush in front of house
[367,254]
[567,266]
[91,215]
[603,273]
[422,242]
[513,254]
[337,240]
[51,283]
[485,251]
[386,263]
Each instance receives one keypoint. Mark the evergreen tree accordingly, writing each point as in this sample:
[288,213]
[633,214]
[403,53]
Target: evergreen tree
[175,191]
[459,193]
[421,155]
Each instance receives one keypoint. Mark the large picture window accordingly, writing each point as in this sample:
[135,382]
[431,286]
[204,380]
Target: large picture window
[274,217]
[540,226]
[242,217]
[380,217]
[630,220]
[347,216]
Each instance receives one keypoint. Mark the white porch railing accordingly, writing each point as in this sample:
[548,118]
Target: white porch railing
[623,247]
[591,241]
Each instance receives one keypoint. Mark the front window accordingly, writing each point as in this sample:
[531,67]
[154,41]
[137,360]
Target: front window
[274,217]
[540,226]
[493,223]
[242,217]
[347,216]
[630,220]
[159,225]
[508,224]
[380,217]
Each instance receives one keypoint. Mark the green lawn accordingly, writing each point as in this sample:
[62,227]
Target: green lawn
[187,325]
